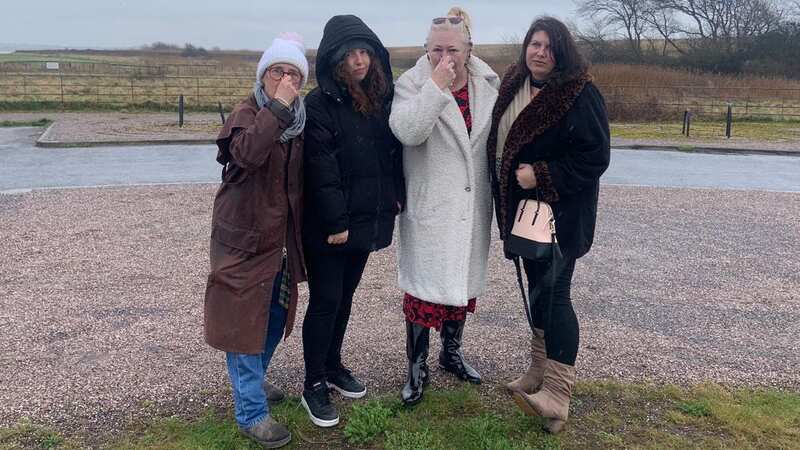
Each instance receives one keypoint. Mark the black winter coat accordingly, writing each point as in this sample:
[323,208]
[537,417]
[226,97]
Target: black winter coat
[353,162]
[564,134]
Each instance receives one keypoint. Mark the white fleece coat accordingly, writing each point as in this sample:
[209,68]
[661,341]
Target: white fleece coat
[445,228]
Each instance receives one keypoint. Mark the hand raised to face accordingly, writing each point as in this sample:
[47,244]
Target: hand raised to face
[287,91]
[444,72]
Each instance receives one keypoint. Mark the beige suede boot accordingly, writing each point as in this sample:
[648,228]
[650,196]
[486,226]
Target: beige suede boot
[531,381]
[552,400]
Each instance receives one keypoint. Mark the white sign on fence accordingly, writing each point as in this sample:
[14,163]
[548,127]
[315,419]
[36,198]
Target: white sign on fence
[51,66]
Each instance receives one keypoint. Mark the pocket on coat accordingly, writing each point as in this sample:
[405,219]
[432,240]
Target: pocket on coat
[234,174]
[239,270]
[234,237]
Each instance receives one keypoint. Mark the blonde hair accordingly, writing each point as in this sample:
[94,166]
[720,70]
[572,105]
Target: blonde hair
[464,27]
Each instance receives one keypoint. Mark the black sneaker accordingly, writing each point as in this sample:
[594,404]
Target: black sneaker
[349,386]
[319,406]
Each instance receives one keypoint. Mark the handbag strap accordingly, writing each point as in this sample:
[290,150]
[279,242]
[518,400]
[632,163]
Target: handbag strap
[525,303]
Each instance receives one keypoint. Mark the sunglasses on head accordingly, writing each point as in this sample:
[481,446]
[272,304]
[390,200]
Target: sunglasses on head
[455,20]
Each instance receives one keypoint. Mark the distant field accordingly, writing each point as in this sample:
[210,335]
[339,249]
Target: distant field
[155,80]
[62,57]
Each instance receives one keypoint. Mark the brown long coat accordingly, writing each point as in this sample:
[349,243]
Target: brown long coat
[257,211]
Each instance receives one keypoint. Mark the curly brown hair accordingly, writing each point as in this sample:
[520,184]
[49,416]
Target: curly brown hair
[369,94]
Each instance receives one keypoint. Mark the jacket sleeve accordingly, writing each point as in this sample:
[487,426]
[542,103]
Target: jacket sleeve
[588,149]
[416,111]
[250,147]
[322,175]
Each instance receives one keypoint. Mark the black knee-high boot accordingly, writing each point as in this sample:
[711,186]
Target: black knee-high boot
[417,341]
[450,358]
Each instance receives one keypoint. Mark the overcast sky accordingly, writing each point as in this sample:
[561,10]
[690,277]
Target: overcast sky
[248,24]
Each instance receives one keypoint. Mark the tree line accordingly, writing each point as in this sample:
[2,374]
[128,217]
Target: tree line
[727,36]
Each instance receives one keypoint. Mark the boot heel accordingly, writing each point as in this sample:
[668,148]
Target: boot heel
[554,426]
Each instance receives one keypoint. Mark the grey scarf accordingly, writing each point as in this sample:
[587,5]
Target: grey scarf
[298,108]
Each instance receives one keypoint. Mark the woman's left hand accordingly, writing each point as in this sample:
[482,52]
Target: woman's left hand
[526,178]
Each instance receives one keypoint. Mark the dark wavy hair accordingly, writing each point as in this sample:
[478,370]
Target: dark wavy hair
[570,64]
[369,94]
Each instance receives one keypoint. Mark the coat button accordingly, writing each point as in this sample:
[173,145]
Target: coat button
[468,189]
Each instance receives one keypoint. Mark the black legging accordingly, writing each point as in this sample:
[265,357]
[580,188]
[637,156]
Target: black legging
[561,333]
[332,280]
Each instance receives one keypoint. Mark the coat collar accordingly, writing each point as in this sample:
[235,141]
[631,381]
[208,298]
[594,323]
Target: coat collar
[483,84]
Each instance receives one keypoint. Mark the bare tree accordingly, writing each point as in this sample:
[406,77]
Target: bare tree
[625,15]
[724,24]
[594,37]
[663,22]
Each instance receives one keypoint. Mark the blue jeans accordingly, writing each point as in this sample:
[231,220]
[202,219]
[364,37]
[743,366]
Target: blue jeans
[247,371]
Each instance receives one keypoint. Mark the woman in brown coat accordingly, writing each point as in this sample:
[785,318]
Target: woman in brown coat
[256,251]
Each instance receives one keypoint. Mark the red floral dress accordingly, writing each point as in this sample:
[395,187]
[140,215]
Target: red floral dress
[428,314]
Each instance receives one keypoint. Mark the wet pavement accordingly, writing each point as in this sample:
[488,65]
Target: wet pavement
[25,167]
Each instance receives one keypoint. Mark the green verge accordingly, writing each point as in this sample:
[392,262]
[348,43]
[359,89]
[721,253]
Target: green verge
[751,129]
[603,415]
[25,123]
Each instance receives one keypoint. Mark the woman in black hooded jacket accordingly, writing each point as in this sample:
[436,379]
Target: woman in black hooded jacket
[354,189]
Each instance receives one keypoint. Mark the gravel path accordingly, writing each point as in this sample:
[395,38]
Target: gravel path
[101,302]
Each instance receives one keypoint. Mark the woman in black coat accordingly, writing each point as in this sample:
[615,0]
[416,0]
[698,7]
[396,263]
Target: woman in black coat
[354,190]
[551,128]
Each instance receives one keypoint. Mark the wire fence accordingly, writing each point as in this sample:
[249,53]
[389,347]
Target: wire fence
[38,66]
[651,102]
[163,92]
[625,102]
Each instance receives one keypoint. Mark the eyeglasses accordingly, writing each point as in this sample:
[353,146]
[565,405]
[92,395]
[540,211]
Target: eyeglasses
[455,20]
[277,73]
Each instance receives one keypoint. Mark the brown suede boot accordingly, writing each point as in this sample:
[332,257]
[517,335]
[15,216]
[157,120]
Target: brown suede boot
[552,400]
[531,381]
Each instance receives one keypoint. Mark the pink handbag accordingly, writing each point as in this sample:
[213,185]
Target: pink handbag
[533,235]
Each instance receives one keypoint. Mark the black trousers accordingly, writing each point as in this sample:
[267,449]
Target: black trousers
[560,324]
[332,280]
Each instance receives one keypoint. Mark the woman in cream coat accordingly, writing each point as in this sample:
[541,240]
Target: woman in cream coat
[441,113]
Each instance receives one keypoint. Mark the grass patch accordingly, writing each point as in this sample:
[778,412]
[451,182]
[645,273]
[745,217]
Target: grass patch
[25,123]
[603,415]
[367,421]
[28,435]
[695,408]
[751,129]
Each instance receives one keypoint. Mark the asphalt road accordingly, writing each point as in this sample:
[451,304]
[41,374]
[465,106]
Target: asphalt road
[25,167]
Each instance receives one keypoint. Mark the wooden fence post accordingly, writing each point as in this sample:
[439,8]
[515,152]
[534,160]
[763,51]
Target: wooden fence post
[61,77]
[685,121]
[688,123]
[180,111]
[728,121]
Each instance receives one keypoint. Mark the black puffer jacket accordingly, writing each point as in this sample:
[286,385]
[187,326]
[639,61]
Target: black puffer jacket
[353,162]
